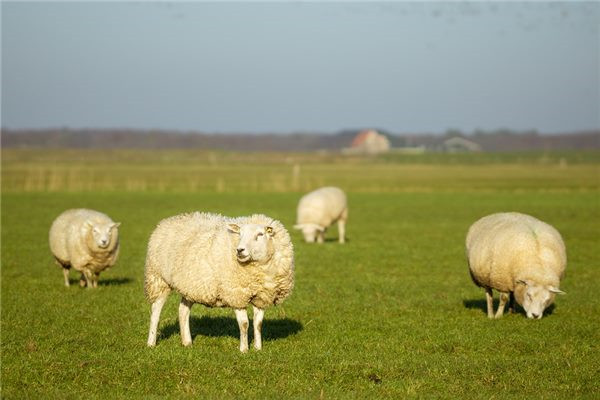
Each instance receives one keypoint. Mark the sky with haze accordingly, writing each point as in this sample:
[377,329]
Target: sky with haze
[406,67]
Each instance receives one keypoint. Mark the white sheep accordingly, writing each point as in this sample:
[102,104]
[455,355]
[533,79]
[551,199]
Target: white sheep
[518,255]
[219,262]
[318,210]
[86,240]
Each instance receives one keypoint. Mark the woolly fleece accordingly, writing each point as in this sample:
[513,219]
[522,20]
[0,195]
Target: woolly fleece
[195,255]
[72,242]
[504,248]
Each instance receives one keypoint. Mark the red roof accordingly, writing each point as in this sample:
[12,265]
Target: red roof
[361,137]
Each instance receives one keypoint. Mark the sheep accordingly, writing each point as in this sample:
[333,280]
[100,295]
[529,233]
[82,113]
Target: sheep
[86,240]
[518,255]
[218,261]
[318,210]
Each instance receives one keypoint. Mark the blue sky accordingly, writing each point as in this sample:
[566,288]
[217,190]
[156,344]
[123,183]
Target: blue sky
[301,67]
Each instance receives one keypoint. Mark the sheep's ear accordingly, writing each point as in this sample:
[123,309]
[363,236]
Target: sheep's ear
[556,290]
[233,228]
[88,224]
[320,228]
[115,225]
[270,231]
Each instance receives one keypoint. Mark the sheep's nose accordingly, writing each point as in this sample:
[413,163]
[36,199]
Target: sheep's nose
[240,250]
[534,315]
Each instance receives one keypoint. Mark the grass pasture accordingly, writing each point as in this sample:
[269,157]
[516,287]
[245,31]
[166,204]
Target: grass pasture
[391,314]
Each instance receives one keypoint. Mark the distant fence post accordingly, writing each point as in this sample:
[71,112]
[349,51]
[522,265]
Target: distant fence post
[296,177]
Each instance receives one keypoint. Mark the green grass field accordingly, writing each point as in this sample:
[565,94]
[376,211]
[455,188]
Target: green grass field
[391,314]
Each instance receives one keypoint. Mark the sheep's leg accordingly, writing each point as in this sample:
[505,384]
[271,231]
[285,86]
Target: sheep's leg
[185,307]
[320,236]
[503,300]
[490,302]
[95,279]
[154,317]
[89,278]
[342,230]
[242,318]
[257,320]
[66,275]
[65,268]
[342,226]
[82,280]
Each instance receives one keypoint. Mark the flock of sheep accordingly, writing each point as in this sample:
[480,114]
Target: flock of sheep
[220,261]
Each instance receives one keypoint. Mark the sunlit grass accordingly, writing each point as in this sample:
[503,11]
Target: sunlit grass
[192,171]
[391,314]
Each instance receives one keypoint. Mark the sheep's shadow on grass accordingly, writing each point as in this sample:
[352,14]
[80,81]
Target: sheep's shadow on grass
[272,329]
[114,281]
[335,240]
[482,305]
[105,282]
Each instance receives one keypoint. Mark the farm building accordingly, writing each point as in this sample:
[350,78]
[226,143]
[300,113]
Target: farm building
[459,144]
[368,141]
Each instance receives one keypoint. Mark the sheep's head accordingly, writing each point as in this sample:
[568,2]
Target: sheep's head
[534,297]
[102,234]
[255,242]
[310,231]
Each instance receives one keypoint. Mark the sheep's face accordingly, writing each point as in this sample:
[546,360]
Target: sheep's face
[310,231]
[255,242]
[535,298]
[102,234]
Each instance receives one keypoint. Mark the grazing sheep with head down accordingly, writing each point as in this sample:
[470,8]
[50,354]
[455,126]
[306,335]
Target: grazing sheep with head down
[318,210]
[219,262]
[518,255]
[86,240]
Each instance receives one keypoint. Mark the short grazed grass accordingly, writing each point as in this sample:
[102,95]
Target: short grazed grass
[390,314]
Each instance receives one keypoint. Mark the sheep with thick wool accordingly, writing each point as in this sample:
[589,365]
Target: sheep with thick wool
[518,255]
[318,210]
[219,261]
[86,240]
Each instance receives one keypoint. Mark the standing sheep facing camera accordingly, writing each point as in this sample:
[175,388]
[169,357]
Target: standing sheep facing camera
[519,255]
[86,240]
[219,262]
[318,210]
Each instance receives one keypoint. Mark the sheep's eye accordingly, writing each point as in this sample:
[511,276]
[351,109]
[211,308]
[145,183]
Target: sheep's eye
[259,234]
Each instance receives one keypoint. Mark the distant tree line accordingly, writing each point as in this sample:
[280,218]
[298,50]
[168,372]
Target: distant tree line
[492,141]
